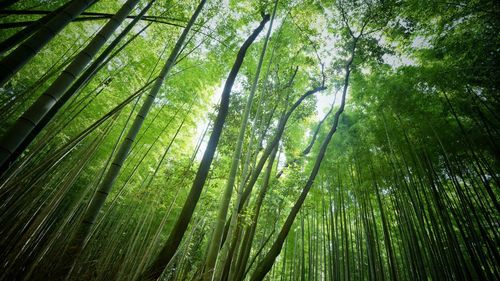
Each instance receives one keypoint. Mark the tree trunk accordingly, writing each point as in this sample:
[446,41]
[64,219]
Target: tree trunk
[310,145]
[23,34]
[12,63]
[18,133]
[170,247]
[250,233]
[268,261]
[267,152]
[86,76]
[81,234]
[224,204]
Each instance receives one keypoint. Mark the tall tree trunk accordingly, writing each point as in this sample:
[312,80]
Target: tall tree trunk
[239,206]
[170,247]
[265,265]
[86,76]
[269,148]
[250,233]
[12,63]
[18,133]
[82,232]
[84,17]
[26,32]
[224,204]
[387,236]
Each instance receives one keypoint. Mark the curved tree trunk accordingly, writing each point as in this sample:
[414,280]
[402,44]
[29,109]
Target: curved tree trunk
[170,247]
[214,247]
[245,193]
[267,262]
[233,234]
[250,233]
[277,136]
[310,145]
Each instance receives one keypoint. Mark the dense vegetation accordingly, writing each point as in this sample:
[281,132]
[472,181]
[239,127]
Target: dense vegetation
[249,140]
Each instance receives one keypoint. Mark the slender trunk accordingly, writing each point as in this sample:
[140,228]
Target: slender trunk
[268,261]
[23,34]
[269,148]
[21,130]
[33,25]
[12,63]
[250,234]
[81,234]
[170,247]
[224,204]
[387,237]
[310,145]
[233,227]
[86,76]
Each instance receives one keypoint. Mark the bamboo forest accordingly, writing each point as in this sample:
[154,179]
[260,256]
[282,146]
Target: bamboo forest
[229,140]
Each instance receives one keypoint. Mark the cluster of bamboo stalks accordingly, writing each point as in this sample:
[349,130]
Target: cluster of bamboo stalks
[395,204]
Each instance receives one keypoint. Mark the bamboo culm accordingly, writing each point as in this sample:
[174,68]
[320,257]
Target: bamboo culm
[80,83]
[79,237]
[224,204]
[23,127]
[267,262]
[172,244]
[13,62]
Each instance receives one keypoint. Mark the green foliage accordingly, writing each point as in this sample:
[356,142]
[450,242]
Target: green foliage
[408,188]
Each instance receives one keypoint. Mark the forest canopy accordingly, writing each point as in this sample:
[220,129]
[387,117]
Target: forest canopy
[249,140]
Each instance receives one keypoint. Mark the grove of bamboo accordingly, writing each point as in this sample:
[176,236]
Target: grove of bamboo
[249,140]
